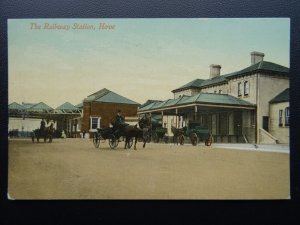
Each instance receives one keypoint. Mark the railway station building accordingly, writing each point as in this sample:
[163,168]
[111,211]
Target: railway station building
[246,106]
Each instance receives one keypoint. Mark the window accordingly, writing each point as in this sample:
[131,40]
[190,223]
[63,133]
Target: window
[94,122]
[239,89]
[246,88]
[280,117]
[287,116]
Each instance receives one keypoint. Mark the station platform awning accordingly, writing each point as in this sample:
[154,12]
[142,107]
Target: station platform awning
[199,102]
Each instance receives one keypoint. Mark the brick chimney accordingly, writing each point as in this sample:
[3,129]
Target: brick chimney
[214,70]
[256,57]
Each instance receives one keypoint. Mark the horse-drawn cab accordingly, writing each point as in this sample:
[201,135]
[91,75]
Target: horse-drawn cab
[43,132]
[120,129]
[197,132]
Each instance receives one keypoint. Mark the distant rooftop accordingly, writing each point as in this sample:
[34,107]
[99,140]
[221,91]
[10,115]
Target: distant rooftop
[107,96]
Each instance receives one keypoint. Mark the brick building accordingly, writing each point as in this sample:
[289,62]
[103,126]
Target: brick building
[100,108]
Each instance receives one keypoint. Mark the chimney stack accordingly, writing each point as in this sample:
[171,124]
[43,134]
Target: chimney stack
[256,57]
[214,70]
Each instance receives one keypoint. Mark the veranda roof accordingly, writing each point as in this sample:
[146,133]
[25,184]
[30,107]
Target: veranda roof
[207,99]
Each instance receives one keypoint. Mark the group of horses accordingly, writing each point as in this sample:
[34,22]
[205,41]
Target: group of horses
[138,132]
[45,133]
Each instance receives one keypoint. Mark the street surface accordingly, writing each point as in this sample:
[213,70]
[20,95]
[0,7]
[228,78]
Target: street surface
[75,169]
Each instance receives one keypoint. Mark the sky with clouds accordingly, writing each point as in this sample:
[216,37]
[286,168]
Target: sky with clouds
[139,58]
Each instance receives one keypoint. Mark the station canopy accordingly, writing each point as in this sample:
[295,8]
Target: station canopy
[16,107]
[42,110]
[204,101]
[67,107]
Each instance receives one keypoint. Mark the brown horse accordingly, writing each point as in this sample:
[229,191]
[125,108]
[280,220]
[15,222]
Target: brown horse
[141,134]
[131,132]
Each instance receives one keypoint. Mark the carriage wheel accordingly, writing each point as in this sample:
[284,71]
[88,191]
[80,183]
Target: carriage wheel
[209,141]
[181,139]
[96,140]
[194,139]
[113,141]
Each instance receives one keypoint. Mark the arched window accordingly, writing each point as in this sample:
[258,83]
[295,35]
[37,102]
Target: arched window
[246,88]
[287,116]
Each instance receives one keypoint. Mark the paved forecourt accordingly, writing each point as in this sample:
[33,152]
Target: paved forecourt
[75,169]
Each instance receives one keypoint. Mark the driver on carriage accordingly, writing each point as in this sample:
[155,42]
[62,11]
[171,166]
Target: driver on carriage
[119,124]
[43,125]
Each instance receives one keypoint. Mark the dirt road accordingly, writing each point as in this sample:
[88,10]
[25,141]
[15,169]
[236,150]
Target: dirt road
[75,169]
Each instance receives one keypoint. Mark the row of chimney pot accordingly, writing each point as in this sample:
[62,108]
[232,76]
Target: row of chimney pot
[216,69]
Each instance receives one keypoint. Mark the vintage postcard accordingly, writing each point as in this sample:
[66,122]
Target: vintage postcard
[192,108]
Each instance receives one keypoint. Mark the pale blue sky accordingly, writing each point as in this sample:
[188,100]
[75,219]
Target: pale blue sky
[140,58]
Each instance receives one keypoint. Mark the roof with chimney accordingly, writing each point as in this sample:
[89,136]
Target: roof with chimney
[262,67]
[107,96]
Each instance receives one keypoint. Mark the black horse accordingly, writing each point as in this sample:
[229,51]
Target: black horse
[131,132]
[46,133]
[140,134]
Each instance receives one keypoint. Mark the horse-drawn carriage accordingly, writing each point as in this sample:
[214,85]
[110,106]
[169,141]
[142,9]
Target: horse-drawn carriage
[195,131]
[160,133]
[157,132]
[111,134]
[46,134]
[118,131]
